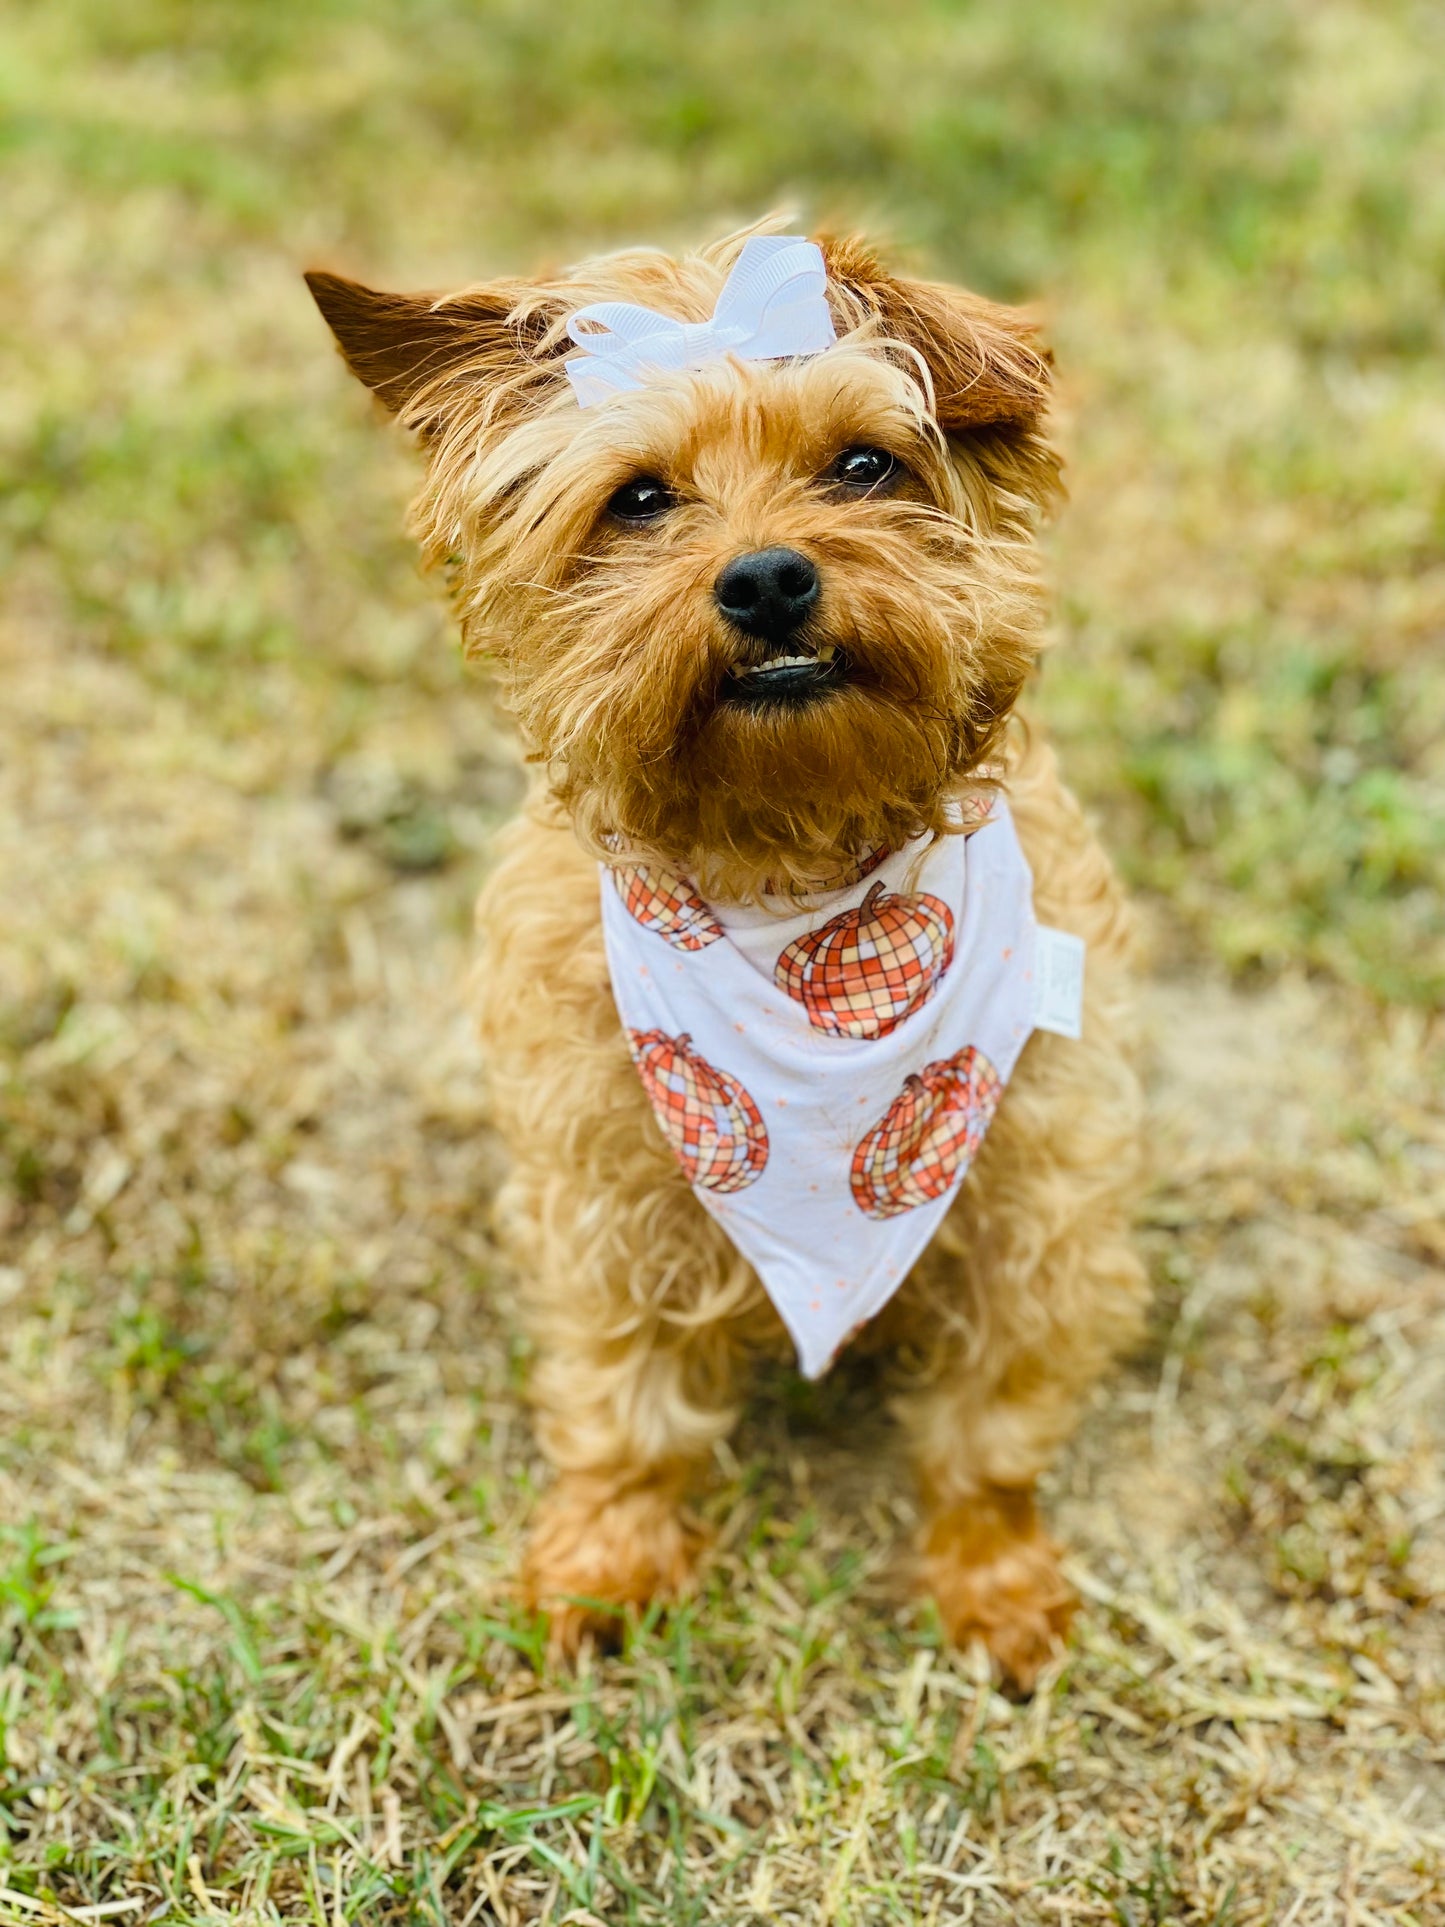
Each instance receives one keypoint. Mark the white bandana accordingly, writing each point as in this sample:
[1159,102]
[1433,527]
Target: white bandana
[825,1075]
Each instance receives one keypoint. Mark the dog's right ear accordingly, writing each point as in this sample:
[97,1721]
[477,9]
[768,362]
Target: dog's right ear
[417,352]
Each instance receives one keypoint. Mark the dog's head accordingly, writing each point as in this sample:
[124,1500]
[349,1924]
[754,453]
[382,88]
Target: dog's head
[754,617]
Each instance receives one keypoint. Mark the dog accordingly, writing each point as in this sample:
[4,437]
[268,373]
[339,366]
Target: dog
[759,617]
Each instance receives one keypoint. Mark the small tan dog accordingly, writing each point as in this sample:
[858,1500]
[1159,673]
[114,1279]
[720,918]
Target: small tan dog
[883,497]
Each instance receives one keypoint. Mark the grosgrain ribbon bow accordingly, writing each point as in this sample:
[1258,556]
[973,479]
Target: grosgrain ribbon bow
[772,306]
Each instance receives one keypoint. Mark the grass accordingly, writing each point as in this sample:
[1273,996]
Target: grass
[264,1463]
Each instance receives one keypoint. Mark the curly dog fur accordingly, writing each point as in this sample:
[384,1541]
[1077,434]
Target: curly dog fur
[611,653]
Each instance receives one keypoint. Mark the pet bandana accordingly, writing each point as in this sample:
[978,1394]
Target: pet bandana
[772,306]
[826,1074]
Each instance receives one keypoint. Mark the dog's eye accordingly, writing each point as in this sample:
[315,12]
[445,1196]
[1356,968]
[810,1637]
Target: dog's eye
[641,500]
[863,469]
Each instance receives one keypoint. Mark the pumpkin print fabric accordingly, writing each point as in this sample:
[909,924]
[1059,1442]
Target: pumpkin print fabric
[928,1134]
[826,1072]
[667,904]
[867,969]
[706,1116]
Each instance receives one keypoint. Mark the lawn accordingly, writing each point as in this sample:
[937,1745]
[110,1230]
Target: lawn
[264,1458]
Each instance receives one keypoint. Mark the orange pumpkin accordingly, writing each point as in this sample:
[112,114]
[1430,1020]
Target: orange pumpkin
[855,873]
[928,1135]
[667,904]
[706,1116]
[865,970]
[865,866]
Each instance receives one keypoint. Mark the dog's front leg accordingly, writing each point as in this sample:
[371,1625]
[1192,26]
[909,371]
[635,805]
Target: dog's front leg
[1044,1287]
[634,1384]
[991,1424]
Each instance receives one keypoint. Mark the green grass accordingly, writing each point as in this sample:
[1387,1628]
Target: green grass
[263,1464]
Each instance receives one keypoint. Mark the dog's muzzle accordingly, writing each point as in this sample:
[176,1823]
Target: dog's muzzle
[768,596]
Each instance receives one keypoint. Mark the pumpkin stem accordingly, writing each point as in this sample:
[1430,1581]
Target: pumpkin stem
[684,1040]
[865,909]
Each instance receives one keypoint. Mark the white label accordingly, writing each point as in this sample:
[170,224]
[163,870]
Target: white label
[1059,982]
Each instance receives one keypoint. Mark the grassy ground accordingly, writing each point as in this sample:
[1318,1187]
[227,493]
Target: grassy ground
[263,1459]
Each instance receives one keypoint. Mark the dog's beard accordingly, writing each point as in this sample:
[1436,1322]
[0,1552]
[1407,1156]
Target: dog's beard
[635,701]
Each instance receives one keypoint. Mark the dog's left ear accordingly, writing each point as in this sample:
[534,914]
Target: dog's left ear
[985,361]
[422,354]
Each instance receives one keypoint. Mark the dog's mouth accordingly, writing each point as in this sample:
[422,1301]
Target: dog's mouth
[785,678]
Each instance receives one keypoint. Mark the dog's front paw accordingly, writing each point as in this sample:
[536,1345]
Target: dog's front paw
[995,1576]
[597,1549]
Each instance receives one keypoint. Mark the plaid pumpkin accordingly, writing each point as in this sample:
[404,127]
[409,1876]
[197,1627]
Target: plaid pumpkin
[866,865]
[668,904]
[865,970]
[706,1116]
[928,1135]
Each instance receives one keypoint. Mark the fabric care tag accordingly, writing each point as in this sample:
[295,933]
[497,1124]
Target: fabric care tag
[826,1072]
[1058,982]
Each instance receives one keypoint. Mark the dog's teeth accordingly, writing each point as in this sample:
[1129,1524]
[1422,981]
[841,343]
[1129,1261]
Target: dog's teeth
[827,651]
[784,662]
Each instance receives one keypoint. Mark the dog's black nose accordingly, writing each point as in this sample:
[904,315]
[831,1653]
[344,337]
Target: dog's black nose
[768,593]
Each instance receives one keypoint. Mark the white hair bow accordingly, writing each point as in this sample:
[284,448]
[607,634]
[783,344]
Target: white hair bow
[772,306]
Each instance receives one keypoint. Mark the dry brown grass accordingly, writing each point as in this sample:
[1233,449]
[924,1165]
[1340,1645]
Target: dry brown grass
[263,1458]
